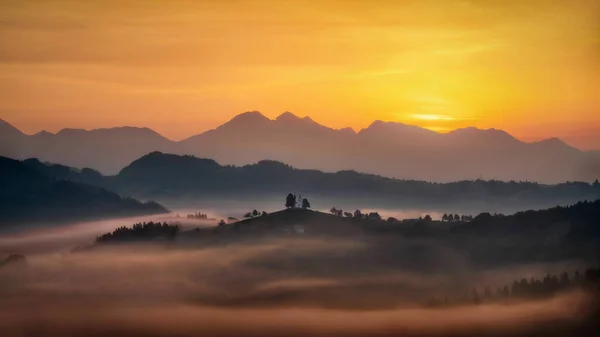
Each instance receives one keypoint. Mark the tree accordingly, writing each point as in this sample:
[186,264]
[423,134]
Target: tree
[305,203]
[340,212]
[445,217]
[248,215]
[392,219]
[347,214]
[358,214]
[333,211]
[255,213]
[428,218]
[263,213]
[456,217]
[290,201]
[565,282]
[373,216]
[596,184]
[222,222]
[450,217]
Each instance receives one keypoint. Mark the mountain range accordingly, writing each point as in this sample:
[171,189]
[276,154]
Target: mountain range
[187,180]
[384,148]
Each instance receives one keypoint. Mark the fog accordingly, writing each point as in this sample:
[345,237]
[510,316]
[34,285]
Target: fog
[306,285]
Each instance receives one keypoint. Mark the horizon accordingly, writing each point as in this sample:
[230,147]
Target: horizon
[354,130]
[530,68]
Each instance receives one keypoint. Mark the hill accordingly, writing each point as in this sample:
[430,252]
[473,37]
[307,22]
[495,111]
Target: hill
[165,176]
[555,234]
[180,180]
[31,196]
[384,148]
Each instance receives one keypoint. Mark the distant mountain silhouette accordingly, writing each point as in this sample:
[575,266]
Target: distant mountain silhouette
[168,177]
[385,148]
[31,194]
[107,150]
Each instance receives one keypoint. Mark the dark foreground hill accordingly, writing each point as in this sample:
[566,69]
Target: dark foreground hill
[546,236]
[29,195]
[559,233]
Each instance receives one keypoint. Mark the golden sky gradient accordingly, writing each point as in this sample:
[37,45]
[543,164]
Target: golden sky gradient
[181,67]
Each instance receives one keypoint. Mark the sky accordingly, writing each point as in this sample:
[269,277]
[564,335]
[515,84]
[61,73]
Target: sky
[530,67]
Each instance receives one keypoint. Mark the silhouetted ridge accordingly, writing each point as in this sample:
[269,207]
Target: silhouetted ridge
[250,117]
[287,117]
[6,128]
[386,148]
[472,134]
[165,175]
[32,192]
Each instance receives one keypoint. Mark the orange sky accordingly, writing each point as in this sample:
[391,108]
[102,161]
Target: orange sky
[181,67]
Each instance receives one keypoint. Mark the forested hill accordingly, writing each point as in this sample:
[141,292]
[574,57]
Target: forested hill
[164,176]
[30,195]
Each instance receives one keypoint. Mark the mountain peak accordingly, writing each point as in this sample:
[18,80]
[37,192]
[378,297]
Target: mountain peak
[6,128]
[470,133]
[379,126]
[293,120]
[287,116]
[249,117]
[555,143]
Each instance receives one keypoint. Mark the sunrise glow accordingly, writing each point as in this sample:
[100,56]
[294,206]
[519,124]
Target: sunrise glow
[531,68]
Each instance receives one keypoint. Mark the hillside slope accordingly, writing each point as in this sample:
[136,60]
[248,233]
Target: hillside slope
[28,195]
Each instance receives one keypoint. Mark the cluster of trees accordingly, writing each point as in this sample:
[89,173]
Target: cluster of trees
[524,289]
[358,214]
[198,215]
[291,201]
[14,259]
[253,214]
[456,218]
[140,231]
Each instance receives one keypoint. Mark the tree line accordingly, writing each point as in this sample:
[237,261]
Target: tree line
[140,231]
[524,289]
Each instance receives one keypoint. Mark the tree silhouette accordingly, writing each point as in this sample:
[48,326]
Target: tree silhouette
[358,214]
[445,217]
[456,217]
[596,184]
[333,211]
[348,214]
[222,222]
[140,231]
[290,201]
[263,213]
[374,216]
[255,213]
[428,218]
[305,203]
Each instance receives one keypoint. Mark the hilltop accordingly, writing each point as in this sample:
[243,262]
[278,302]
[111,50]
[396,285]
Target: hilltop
[293,221]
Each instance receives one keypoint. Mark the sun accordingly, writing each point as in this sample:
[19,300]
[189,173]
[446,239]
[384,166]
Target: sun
[432,117]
